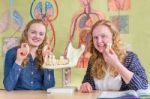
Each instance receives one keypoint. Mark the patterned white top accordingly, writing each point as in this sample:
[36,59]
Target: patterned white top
[108,83]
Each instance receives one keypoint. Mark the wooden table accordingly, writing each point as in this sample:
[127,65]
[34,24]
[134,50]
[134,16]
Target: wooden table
[44,95]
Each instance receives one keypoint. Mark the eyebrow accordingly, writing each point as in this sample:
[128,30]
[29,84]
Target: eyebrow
[35,30]
[32,30]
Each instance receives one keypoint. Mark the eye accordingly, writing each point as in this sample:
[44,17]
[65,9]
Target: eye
[95,37]
[41,33]
[103,36]
[32,31]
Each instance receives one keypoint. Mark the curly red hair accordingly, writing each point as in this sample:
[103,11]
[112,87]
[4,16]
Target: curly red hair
[99,65]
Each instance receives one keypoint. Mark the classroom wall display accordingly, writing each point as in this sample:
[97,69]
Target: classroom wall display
[121,22]
[119,5]
[11,18]
[8,43]
[48,14]
[81,24]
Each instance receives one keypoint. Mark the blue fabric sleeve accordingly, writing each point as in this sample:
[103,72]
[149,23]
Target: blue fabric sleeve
[139,79]
[11,70]
[87,77]
[49,80]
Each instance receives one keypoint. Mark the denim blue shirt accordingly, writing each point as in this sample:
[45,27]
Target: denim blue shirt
[28,78]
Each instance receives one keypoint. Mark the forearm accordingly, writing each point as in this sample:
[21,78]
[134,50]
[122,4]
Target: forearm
[132,79]
[138,83]
[18,61]
[11,79]
[126,74]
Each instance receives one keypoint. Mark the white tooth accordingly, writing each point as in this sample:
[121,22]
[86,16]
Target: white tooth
[109,45]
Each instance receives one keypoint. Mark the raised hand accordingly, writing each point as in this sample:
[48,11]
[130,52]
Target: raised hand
[22,53]
[110,56]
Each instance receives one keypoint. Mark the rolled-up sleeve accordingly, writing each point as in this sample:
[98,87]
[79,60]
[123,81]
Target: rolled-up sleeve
[139,79]
[88,78]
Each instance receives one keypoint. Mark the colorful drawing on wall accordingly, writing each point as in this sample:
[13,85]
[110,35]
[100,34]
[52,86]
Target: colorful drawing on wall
[121,22]
[49,14]
[83,20]
[9,42]
[84,39]
[11,17]
[16,18]
[17,21]
[4,21]
[119,5]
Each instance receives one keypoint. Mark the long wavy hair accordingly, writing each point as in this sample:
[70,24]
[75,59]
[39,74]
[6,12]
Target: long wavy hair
[24,39]
[99,65]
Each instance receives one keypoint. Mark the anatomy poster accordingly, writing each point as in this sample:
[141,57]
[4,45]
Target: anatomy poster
[119,5]
[121,22]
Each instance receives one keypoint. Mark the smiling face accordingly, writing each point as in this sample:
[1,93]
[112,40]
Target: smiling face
[101,37]
[36,34]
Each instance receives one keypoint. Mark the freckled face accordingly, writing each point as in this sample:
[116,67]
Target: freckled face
[101,36]
[36,34]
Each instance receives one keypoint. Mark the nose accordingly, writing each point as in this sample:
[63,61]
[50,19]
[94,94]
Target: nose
[99,39]
[37,35]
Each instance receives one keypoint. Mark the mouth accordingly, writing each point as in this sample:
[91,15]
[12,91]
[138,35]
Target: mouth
[101,45]
[35,40]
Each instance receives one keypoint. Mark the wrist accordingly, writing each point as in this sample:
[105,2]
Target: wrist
[19,62]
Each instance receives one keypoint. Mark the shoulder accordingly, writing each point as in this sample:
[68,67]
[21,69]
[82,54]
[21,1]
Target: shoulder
[131,60]
[12,51]
[131,56]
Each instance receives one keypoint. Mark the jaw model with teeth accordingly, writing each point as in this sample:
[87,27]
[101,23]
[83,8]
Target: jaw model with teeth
[73,55]
[109,45]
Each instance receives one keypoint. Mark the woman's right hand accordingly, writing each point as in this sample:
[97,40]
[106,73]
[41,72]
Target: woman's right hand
[22,53]
[86,87]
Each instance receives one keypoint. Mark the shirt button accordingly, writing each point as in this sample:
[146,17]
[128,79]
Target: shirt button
[19,69]
[31,82]
[49,77]
[32,73]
